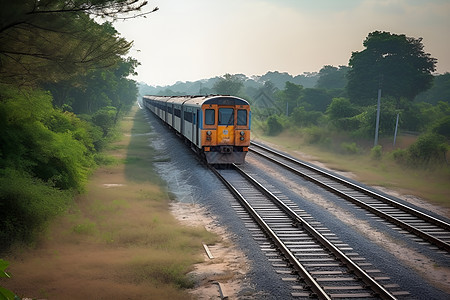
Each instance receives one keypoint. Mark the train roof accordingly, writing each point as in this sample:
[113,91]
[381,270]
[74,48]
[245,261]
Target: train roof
[200,100]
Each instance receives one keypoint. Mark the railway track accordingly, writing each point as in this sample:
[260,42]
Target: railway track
[325,267]
[426,227]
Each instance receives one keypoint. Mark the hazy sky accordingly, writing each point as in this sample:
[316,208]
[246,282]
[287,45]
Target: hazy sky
[198,39]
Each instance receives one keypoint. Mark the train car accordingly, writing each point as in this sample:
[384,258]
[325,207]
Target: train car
[216,126]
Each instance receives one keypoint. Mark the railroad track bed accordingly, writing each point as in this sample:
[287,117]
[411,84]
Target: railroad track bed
[301,249]
[420,227]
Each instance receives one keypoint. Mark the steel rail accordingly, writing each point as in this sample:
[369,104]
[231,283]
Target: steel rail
[300,222]
[306,276]
[436,241]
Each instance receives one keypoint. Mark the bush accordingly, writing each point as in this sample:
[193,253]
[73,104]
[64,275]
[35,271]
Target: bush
[427,149]
[317,135]
[26,206]
[376,152]
[442,127]
[274,127]
[350,148]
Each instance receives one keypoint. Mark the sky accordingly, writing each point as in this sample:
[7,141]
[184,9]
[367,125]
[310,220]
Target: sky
[200,39]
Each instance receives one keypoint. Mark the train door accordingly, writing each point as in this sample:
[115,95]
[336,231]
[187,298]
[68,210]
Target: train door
[197,132]
[225,128]
[193,126]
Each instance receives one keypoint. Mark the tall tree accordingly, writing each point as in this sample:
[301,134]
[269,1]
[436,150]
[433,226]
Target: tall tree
[396,63]
[49,40]
[229,85]
[331,77]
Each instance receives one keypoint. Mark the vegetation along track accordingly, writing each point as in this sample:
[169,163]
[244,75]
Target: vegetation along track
[323,268]
[428,228]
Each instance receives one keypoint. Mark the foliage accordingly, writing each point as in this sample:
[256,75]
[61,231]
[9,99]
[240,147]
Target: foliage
[274,126]
[428,150]
[317,135]
[350,148]
[302,117]
[376,152]
[396,63]
[315,99]
[331,77]
[366,121]
[4,293]
[26,205]
[36,138]
[439,91]
[289,97]
[442,127]
[228,85]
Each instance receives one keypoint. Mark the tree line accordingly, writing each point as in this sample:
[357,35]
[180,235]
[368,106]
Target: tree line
[344,98]
[63,87]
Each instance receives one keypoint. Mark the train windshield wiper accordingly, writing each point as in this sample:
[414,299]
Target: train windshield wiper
[230,121]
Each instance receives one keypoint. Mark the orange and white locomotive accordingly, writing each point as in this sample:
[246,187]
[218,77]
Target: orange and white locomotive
[216,126]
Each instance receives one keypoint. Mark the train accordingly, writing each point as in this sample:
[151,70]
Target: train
[217,127]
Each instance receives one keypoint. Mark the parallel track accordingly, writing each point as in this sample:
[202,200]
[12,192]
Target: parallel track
[326,269]
[431,229]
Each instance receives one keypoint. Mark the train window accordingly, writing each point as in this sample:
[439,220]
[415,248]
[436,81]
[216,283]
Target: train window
[177,112]
[209,117]
[242,117]
[226,116]
[188,116]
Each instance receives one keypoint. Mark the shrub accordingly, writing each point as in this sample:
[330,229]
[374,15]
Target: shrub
[274,127]
[317,135]
[428,148]
[350,148]
[26,205]
[376,152]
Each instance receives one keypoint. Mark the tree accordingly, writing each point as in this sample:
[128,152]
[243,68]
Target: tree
[440,91]
[396,63]
[315,99]
[290,96]
[45,41]
[228,85]
[332,77]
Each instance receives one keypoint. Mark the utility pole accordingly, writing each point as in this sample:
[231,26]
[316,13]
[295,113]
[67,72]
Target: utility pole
[378,118]
[396,127]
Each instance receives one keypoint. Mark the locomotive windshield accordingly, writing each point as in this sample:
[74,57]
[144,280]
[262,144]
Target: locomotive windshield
[226,116]
[242,117]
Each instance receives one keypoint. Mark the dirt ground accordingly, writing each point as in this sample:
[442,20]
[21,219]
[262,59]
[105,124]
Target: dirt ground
[223,274]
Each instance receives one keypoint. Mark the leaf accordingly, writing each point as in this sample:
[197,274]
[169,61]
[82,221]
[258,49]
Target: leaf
[3,265]
[6,294]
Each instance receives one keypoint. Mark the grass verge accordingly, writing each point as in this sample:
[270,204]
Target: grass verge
[119,240]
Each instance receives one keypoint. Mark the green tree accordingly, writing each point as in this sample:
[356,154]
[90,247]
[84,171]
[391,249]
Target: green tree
[315,99]
[440,90]
[396,63]
[289,97]
[46,41]
[331,77]
[228,85]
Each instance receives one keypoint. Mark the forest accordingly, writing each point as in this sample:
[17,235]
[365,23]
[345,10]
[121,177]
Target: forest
[63,88]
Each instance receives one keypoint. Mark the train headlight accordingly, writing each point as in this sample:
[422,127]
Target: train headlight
[242,138]
[208,132]
[242,133]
